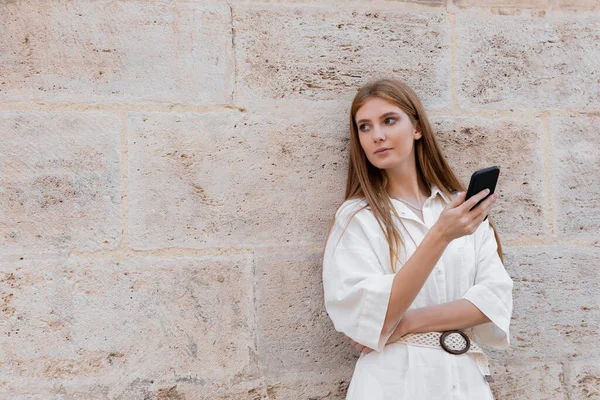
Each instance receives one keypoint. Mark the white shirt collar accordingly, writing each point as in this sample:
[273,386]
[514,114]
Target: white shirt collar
[404,211]
[435,190]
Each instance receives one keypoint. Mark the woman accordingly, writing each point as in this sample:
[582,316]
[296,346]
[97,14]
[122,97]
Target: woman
[406,258]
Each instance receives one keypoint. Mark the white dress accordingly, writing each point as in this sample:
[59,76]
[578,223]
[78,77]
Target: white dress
[357,281]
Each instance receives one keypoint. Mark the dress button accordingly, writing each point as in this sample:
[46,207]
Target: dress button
[438,271]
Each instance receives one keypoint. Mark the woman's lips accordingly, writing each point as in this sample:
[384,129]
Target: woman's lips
[383,152]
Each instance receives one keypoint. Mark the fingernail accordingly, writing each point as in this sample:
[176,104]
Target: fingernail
[487,190]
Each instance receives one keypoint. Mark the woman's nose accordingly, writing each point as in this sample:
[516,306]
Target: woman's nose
[378,134]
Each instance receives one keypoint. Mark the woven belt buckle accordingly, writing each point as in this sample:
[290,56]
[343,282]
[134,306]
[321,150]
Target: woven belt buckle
[452,351]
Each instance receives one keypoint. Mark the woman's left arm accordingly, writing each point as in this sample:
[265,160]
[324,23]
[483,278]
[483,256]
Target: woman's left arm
[487,305]
[458,314]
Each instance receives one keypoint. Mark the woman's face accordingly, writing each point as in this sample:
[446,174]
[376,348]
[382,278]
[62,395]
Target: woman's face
[382,124]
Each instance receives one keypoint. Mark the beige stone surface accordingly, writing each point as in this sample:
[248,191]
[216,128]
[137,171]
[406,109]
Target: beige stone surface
[181,176]
[511,61]
[139,389]
[575,166]
[534,380]
[354,3]
[556,303]
[579,4]
[234,179]
[169,170]
[60,181]
[313,385]
[114,51]
[515,146]
[502,3]
[293,328]
[140,324]
[584,379]
[324,54]
[429,3]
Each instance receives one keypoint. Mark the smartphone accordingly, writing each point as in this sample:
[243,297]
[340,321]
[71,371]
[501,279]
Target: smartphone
[483,179]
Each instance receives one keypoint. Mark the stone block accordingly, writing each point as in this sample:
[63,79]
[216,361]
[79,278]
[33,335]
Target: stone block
[575,184]
[233,179]
[181,171]
[556,304]
[144,321]
[294,332]
[515,146]
[103,52]
[327,53]
[60,182]
[531,381]
[506,62]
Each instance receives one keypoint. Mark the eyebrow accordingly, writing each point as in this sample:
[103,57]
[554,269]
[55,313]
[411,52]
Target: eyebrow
[382,116]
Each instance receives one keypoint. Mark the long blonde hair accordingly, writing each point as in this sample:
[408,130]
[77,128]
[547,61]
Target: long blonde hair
[365,181]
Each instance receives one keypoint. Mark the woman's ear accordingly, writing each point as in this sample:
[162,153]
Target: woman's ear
[417,133]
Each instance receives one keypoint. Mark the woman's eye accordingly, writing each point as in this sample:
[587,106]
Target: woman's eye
[360,128]
[394,119]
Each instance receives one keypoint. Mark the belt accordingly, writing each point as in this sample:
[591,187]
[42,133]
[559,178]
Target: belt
[453,342]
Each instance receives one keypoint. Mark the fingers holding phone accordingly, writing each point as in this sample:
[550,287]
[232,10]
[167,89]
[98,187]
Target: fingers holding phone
[479,213]
[475,210]
[474,201]
[465,213]
[486,178]
[458,219]
[482,180]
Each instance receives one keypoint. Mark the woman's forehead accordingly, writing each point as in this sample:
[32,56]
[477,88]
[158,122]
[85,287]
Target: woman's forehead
[376,107]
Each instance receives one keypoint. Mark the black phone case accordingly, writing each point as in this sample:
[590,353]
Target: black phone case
[483,179]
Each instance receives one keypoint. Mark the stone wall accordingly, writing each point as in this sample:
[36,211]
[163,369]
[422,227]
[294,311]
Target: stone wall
[169,169]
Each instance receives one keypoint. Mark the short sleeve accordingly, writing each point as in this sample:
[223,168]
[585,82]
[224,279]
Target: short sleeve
[356,287]
[492,291]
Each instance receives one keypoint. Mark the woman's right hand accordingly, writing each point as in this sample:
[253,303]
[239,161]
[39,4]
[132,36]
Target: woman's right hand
[456,220]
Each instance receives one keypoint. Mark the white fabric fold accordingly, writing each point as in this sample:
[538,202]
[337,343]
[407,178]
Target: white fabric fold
[492,292]
[356,287]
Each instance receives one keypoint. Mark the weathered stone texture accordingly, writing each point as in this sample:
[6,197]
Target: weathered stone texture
[523,61]
[309,386]
[116,51]
[145,323]
[579,4]
[513,145]
[556,303]
[533,381]
[181,172]
[430,3]
[575,176]
[584,379]
[146,389]
[234,179]
[502,3]
[293,328]
[324,54]
[60,181]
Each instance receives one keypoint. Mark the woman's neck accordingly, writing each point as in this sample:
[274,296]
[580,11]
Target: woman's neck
[415,192]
